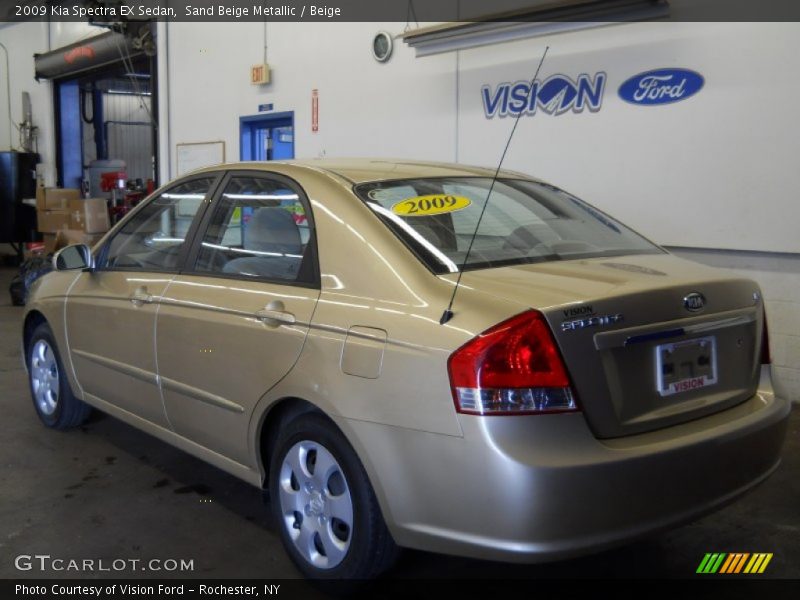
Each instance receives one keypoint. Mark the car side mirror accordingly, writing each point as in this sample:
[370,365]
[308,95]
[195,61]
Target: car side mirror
[77,256]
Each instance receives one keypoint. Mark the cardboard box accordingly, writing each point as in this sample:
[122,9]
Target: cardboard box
[89,215]
[50,221]
[55,198]
[49,243]
[67,237]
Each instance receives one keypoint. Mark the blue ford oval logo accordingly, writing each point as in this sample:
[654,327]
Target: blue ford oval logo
[694,301]
[661,86]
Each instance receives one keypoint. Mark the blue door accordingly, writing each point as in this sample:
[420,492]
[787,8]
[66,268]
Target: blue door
[70,134]
[267,137]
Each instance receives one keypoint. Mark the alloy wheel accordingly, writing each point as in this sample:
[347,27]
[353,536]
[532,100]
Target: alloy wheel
[44,377]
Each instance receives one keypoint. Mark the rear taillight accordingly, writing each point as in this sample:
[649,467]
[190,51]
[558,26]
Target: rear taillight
[513,368]
[766,358]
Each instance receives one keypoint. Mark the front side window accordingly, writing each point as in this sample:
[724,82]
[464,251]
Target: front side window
[154,237]
[525,222]
[260,228]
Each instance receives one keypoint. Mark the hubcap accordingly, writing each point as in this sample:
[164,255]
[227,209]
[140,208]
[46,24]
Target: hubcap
[316,505]
[44,377]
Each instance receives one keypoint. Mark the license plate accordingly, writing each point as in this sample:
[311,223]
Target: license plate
[686,366]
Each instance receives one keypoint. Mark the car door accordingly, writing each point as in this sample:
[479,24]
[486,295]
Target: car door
[110,312]
[234,322]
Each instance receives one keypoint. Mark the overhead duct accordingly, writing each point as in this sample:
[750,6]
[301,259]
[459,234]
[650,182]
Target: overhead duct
[84,55]
[544,19]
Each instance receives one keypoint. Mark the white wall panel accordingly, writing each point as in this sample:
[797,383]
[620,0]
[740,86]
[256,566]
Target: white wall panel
[716,170]
[403,108]
[23,40]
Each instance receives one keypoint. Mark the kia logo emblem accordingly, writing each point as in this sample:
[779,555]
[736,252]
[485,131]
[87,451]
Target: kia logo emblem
[694,301]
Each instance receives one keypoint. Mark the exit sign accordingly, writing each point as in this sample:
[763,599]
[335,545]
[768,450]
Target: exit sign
[259,74]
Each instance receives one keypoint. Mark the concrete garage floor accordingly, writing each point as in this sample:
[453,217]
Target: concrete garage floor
[109,491]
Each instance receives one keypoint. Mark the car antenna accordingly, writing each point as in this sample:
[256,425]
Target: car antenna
[448,312]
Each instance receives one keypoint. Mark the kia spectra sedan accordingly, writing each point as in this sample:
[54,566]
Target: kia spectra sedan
[302,326]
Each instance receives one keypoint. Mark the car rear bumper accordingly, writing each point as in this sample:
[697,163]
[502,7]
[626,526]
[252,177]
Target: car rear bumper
[536,488]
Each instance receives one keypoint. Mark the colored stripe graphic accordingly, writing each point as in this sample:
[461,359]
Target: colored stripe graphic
[758,563]
[711,562]
[764,564]
[727,564]
[740,564]
[734,563]
[703,563]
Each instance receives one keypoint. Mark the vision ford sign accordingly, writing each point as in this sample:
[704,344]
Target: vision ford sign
[661,86]
[554,96]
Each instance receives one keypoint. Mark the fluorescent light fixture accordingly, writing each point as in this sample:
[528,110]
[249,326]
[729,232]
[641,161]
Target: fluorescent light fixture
[533,22]
[128,93]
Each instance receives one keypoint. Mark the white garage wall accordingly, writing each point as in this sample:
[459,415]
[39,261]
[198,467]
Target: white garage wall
[728,152]
[23,40]
[365,108]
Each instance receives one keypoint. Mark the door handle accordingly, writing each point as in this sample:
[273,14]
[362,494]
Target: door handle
[140,296]
[276,314]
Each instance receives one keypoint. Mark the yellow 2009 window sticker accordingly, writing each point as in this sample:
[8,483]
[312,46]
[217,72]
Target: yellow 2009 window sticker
[434,204]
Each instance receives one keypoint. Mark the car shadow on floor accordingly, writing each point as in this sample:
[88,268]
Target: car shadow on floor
[184,474]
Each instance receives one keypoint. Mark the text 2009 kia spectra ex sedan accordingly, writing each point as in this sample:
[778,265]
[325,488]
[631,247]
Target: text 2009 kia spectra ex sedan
[287,323]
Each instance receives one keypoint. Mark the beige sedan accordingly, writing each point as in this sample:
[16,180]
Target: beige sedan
[400,368]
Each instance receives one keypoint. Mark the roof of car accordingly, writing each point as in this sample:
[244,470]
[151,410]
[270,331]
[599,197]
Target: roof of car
[359,170]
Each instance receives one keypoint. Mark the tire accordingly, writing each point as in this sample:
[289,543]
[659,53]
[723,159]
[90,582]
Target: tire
[17,291]
[330,523]
[53,400]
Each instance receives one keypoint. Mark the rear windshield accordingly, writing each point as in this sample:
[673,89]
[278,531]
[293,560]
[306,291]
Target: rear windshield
[524,222]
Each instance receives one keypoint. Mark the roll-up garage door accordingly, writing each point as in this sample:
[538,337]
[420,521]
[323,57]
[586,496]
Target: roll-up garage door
[84,55]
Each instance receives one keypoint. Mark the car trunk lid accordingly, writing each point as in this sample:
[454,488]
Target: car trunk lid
[648,341]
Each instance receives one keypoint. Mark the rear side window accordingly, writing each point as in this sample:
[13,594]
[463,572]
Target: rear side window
[260,228]
[524,222]
[154,237]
